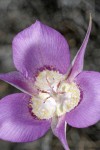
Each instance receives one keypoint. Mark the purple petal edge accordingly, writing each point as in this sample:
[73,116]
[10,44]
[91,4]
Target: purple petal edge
[16,122]
[58,126]
[87,112]
[78,62]
[38,46]
[17,80]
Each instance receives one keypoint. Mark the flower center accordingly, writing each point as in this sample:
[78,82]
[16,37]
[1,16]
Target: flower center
[55,97]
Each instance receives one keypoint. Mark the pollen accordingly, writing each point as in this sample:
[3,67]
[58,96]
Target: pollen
[55,96]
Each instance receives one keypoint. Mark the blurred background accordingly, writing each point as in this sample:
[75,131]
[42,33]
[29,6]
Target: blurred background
[69,17]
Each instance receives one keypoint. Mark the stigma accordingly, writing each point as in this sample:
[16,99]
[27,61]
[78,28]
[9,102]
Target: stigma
[55,95]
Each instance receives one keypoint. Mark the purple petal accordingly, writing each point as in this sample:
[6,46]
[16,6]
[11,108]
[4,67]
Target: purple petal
[78,62]
[16,122]
[88,111]
[19,81]
[40,46]
[59,129]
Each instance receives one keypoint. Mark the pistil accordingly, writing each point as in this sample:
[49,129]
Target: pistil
[55,97]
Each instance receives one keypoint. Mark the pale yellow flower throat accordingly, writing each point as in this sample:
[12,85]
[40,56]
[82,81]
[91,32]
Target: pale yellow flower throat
[55,97]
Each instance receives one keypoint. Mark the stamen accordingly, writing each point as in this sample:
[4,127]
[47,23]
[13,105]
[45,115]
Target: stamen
[56,97]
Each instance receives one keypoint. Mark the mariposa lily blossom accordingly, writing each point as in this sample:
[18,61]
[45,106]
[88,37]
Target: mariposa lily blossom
[55,92]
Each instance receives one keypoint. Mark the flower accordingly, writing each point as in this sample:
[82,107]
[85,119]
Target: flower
[55,92]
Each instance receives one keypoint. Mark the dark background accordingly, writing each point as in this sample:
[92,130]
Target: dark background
[70,17]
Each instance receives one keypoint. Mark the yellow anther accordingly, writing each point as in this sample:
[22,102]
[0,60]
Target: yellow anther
[59,97]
